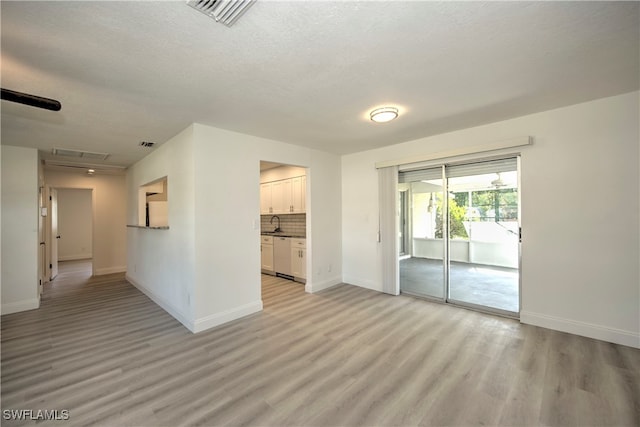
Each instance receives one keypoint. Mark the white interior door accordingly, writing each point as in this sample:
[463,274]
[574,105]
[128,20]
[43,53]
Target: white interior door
[42,232]
[54,234]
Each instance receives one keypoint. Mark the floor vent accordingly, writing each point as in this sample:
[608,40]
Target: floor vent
[65,152]
[226,12]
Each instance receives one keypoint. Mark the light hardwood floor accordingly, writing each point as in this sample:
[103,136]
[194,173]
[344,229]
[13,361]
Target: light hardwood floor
[343,357]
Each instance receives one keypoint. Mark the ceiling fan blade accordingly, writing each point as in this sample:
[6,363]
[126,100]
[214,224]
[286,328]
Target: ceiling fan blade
[32,100]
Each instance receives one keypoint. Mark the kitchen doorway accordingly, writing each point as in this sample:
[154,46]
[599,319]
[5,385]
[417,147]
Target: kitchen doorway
[283,221]
[465,226]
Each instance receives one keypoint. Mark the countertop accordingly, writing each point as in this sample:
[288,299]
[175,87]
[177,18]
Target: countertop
[283,234]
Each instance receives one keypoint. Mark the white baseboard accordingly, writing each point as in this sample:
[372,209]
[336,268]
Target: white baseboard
[109,270]
[18,306]
[203,323]
[320,286]
[177,314]
[217,319]
[616,336]
[74,257]
[363,283]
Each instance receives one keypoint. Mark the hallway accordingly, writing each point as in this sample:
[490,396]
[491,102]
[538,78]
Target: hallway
[71,274]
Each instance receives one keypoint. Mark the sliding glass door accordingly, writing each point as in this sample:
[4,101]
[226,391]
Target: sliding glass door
[463,244]
[483,235]
[422,268]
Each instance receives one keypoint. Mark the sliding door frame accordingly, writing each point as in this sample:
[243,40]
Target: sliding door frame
[446,238]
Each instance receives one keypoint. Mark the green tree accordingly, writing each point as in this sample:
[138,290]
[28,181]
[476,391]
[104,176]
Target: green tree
[505,199]
[456,224]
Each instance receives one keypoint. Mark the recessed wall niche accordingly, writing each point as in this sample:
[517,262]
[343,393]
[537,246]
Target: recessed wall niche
[153,202]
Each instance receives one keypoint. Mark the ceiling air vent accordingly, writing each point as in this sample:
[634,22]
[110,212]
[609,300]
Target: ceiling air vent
[224,11]
[147,144]
[65,152]
[84,167]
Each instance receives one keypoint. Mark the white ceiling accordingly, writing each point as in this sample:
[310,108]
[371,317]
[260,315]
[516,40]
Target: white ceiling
[306,72]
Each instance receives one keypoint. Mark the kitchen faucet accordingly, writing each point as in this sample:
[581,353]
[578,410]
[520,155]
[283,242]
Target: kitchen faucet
[271,222]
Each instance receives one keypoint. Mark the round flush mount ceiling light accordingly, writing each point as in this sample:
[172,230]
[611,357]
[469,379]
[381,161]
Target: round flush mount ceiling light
[384,114]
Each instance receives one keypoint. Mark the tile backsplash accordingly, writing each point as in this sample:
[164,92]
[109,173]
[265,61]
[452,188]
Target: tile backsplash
[289,223]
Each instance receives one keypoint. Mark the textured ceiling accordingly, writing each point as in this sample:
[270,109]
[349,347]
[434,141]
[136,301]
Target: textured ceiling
[305,73]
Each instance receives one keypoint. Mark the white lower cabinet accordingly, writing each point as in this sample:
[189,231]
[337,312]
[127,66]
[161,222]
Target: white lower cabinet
[266,253]
[299,258]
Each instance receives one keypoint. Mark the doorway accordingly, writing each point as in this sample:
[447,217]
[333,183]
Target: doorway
[70,227]
[464,244]
[283,223]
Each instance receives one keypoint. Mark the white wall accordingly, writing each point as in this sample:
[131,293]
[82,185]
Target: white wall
[161,262]
[19,229]
[75,214]
[228,219]
[580,193]
[324,216]
[109,215]
[205,270]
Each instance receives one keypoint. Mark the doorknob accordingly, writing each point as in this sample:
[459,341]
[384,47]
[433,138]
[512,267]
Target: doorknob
[57,237]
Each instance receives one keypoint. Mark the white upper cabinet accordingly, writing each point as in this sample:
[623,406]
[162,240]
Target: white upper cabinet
[265,198]
[284,196]
[278,197]
[298,194]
